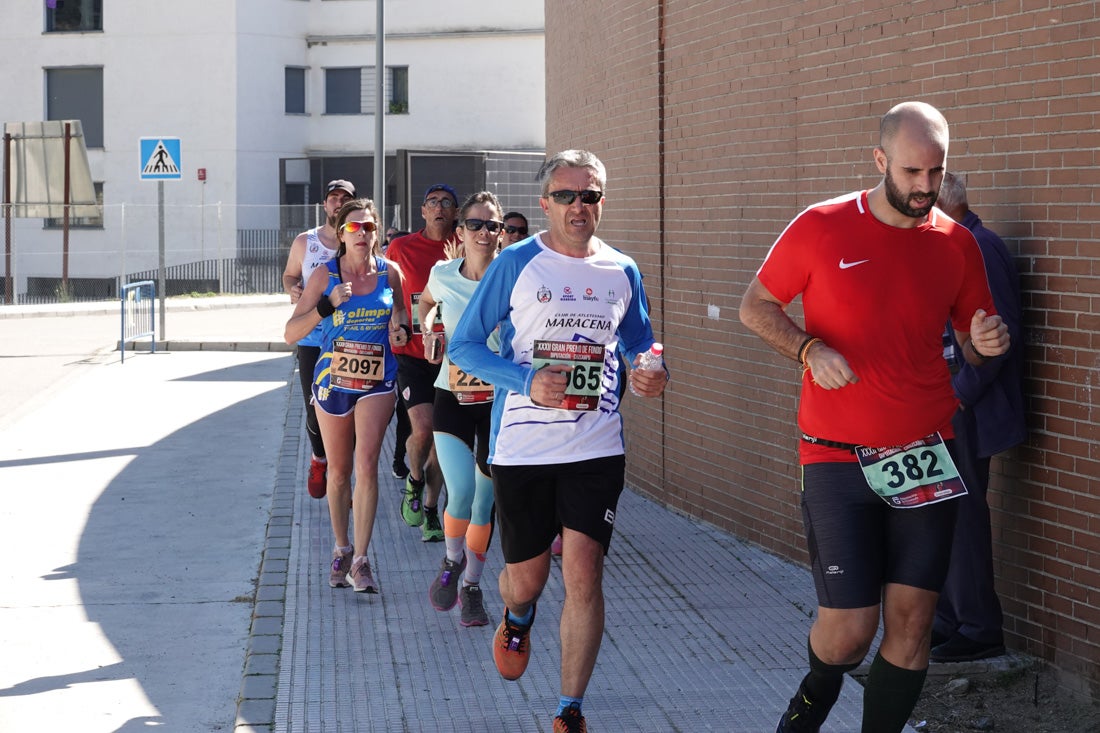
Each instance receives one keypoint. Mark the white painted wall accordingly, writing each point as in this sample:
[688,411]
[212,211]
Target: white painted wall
[213,76]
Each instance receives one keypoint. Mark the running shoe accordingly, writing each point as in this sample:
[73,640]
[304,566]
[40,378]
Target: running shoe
[411,510]
[802,715]
[341,564]
[512,647]
[444,590]
[318,478]
[431,530]
[400,470]
[472,606]
[360,577]
[570,721]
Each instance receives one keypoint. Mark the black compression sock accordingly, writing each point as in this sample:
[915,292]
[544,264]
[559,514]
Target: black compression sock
[824,681]
[890,695]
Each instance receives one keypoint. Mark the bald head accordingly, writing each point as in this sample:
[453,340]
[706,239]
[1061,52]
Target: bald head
[919,120]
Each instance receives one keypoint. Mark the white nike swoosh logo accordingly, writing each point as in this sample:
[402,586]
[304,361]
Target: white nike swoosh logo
[845,265]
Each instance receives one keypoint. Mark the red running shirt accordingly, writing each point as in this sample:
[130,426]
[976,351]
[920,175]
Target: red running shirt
[880,296]
[415,254]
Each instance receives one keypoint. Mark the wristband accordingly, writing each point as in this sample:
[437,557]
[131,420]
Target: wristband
[325,308]
[809,342]
[977,353]
[408,331]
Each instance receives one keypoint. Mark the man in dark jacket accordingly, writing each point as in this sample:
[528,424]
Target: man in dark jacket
[990,419]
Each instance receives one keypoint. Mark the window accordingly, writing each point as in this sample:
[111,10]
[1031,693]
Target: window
[81,222]
[295,90]
[350,91]
[397,89]
[77,94]
[344,91]
[74,15]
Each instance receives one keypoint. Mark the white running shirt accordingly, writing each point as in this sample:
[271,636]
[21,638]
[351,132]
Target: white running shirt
[534,293]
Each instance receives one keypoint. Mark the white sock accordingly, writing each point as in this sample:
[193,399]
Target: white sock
[454,548]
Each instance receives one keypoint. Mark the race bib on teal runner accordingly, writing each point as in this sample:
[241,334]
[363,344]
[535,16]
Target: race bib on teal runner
[912,475]
[585,361]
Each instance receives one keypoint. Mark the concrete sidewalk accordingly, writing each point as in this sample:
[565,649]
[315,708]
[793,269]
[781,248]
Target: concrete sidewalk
[161,564]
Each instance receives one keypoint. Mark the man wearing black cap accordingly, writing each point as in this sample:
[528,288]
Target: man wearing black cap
[310,250]
[415,254]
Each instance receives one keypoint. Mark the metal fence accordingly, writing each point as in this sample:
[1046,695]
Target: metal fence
[138,306]
[208,249]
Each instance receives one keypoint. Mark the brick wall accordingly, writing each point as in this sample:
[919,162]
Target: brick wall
[720,120]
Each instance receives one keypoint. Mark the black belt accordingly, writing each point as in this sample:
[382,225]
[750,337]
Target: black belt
[850,447]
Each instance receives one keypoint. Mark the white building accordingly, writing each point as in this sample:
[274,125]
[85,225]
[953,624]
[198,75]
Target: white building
[270,99]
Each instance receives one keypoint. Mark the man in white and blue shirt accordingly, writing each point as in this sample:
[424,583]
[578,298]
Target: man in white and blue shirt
[565,303]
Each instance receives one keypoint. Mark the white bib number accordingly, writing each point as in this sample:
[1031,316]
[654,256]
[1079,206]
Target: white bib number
[912,475]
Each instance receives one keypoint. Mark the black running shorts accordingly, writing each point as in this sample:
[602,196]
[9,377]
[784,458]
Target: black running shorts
[416,380]
[534,502]
[858,543]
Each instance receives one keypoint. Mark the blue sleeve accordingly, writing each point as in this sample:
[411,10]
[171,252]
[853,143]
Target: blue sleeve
[490,306]
[635,331]
[971,382]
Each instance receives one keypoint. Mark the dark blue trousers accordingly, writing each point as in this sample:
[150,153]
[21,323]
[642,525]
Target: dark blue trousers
[969,603]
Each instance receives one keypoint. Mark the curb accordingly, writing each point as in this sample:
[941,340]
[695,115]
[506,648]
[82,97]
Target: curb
[175,304]
[185,345]
[260,678]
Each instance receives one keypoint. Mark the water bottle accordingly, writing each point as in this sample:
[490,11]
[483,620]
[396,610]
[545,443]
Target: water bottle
[652,360]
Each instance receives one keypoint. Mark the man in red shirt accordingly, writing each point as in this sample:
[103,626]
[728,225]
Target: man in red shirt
[415,254]
[879,273]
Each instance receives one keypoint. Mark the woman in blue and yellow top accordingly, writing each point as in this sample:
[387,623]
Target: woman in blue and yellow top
[359,306]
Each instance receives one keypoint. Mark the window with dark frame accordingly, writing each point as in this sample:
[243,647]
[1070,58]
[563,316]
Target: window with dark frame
[344,91]
[66,16]
[76,93]
[397,81]
[295,91]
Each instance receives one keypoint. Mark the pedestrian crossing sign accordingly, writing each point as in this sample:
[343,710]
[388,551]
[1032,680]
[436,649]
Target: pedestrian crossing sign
[160,159]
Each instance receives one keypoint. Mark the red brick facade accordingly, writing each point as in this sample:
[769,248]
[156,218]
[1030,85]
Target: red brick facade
[719,120]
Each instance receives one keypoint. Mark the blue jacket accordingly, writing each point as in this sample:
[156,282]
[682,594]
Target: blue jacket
[993,394]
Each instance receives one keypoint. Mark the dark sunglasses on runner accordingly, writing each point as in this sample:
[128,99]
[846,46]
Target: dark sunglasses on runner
[512,229]
[351,227]
[474,225]
[566,198]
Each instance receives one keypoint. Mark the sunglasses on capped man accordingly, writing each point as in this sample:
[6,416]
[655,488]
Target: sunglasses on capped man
[512,229]
[566,198]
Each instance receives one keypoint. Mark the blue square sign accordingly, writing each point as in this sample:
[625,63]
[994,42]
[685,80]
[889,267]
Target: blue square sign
[160,159]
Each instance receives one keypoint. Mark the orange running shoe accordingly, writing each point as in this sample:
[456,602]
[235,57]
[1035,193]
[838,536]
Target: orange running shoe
[570,721]
[511,647]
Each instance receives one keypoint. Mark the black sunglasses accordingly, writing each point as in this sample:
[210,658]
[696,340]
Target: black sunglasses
[474,225]
[512,229]
[566,198]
